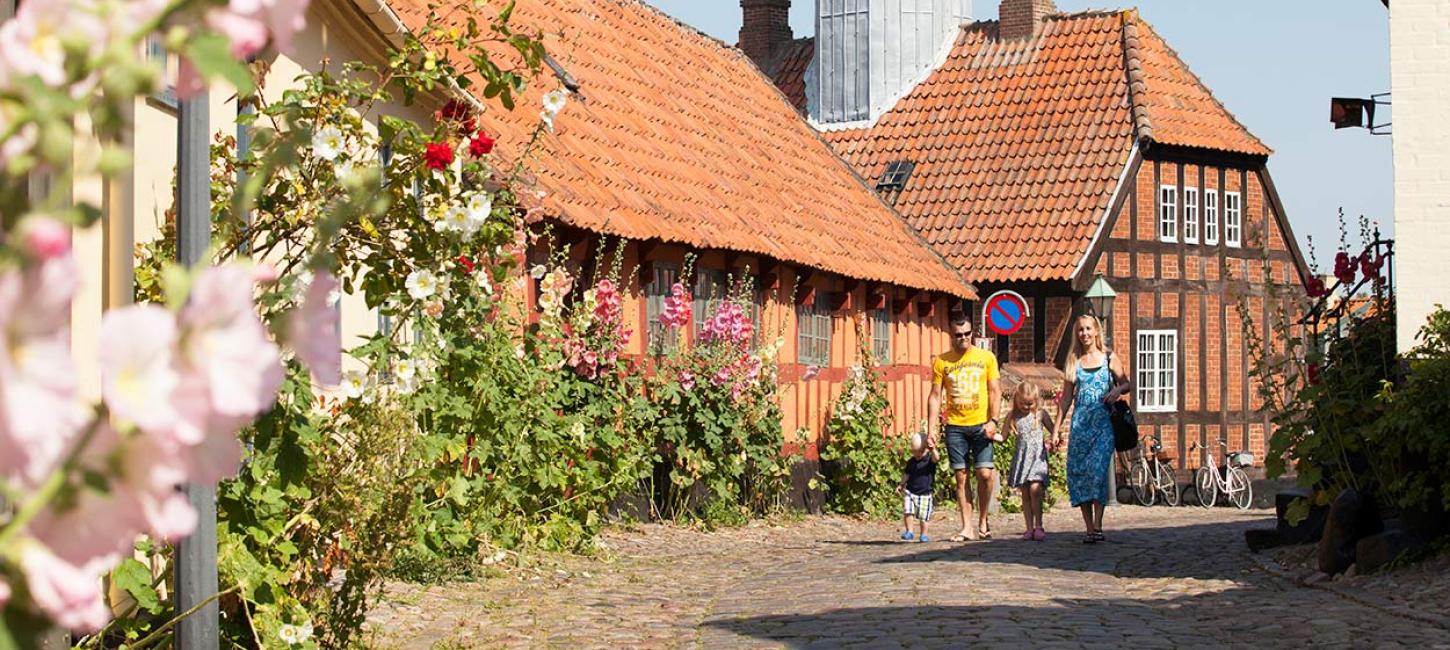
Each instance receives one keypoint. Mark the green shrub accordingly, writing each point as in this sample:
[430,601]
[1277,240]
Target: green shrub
[862,464]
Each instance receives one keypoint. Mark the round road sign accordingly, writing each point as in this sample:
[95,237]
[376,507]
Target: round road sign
[1005,312]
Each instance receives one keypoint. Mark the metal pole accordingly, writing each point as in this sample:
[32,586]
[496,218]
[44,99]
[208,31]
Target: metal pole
[196,562]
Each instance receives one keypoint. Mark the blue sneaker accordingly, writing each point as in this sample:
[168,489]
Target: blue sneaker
[923,538]
[907,536]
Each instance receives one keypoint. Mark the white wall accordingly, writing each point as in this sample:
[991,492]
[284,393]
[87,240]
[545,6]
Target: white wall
[1420,81]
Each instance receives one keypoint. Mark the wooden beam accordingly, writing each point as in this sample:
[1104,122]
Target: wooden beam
[842,301]
[925,305]
[805,294]
[875,297]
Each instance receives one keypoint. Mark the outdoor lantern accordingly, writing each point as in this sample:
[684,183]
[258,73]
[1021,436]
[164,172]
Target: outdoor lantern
[1100,297]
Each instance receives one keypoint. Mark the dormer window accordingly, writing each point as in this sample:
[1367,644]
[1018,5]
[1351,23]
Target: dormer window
[894,179]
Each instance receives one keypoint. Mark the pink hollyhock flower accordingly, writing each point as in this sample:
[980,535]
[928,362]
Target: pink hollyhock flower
[4,592]
[313,330]
[32,43]
[264,273]
[138,374]
[39,408]
[810,373]
[44,237]
[721,377]
[1344,267]
[225,345]
[687,380]
[69,594]
[247,23]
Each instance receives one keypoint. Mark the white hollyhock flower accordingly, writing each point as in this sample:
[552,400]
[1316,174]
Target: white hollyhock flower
[554,101]
[421,284]
[326,143]
[405,369]
[479,205]
[538,271]
[353,385]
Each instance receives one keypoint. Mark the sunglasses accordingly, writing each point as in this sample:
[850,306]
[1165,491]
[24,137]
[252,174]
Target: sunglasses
[961,335]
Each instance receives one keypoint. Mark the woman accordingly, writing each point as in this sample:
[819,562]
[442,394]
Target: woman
[1094,379]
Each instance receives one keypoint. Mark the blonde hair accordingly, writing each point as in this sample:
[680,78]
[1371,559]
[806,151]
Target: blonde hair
[1077,350]
[918,440]
[1030,391]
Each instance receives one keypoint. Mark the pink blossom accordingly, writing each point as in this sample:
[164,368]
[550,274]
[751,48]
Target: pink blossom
[44,237]
[264,273]
[247,23]
[721,377]
[189,82]
[69,594]
[313,331]
[4,592]
[39,408]
[687,380]
[33,42]
[225,345]
[137,366]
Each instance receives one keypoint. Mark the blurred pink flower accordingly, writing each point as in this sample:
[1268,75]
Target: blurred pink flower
[4,592]
[39,409]
[44,237]
[32,42]
[71,595]
[138,373]
[313,331]
[247,23]
[225,345]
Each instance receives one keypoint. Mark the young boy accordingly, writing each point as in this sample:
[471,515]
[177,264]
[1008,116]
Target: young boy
[917,484]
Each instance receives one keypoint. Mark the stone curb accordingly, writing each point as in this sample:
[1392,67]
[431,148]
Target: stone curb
[1360,596]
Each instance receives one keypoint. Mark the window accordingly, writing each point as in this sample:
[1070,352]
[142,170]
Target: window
[895,177]
[711,289]
[1233,220]
[1210,217]
[1190,215]
[813,331]
[166,70]
[1157,371]
[881,334]
[658,337]
[1168,213]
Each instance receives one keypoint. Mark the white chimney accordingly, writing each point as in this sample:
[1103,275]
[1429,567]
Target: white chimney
[869,53]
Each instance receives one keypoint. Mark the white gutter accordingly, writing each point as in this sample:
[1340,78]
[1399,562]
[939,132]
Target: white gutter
[1107,212]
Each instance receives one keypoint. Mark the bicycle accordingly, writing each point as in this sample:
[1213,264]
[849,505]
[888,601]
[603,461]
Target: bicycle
[1152,475]
[1231,479]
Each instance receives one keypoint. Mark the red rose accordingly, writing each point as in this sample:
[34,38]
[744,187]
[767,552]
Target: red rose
[454,110]
[480,145]
[466,263]
[438,156]
[1313,373]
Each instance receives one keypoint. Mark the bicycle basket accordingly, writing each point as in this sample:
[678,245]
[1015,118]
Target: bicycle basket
[1242,459]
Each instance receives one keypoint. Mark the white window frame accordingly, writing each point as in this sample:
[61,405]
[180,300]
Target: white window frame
[1210,218]
[881,327]
[658,338]
[1156,372]
[1190,215]
[1233,219]
[1168,213]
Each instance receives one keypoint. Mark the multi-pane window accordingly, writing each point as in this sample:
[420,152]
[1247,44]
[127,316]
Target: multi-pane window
[1190,215]
[1233,220]
[1168,213]
[166,69]
[711,288]
[658,337]
[1210,218]
[813,331]
[880,320]
[1157,376]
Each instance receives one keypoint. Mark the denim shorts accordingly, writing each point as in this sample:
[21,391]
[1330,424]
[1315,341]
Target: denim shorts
[965,443]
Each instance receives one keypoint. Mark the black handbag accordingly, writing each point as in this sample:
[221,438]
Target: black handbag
[1125,425]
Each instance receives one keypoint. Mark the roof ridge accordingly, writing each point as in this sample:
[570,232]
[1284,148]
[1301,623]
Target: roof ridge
[1133,66]
[1133,17]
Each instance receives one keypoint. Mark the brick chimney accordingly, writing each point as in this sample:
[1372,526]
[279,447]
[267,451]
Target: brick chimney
[1022,18]
[766,26]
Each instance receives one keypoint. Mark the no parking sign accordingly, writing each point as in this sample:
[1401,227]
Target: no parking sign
[1004,312]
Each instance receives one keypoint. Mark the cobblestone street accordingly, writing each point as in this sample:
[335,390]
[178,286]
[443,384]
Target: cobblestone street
[1166,578]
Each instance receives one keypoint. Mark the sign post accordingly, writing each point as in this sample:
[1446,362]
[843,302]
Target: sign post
[1004,312]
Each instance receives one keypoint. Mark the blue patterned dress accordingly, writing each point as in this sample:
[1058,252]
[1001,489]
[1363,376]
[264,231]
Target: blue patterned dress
[1090,445]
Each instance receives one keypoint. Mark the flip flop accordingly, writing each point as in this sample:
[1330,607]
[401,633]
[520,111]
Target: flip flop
[960,538]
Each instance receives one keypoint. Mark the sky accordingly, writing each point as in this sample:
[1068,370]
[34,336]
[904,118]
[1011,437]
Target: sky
[1274,63]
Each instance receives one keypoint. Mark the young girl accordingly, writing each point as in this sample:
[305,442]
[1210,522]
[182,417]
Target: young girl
[1032,427]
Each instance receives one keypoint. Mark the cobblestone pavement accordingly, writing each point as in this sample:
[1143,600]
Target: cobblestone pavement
[1166,578]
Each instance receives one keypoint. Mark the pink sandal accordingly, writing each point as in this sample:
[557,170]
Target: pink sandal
[1028,536]
[1039,534]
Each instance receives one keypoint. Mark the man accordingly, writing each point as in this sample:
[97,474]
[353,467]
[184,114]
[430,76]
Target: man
[968,379]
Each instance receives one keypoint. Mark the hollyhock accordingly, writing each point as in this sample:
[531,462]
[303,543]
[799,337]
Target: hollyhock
[481,145]
[39,408]
[421,284]
[1314,286]
[138,372]
[479,205]
[247,23]
[33,42]
[353,385]
[438,156]
[313,330]
[327,143]
[554,101]
[44,237]
[225,345]
[1344,267]
[71,595]
[4,592]
[1313,372]
[687,380]
[405,369]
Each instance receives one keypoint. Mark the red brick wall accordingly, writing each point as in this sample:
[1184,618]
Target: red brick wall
[766,24]
[1195,289]
[1020,17]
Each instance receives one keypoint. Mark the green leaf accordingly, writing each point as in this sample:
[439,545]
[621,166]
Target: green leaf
[211,55]
[135,579]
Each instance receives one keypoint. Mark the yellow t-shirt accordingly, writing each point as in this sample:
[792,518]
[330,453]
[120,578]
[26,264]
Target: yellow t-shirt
[963,377]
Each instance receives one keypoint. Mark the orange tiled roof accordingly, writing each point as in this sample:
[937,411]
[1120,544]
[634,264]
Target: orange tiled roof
[1019,144]
[788,69]
[676,136]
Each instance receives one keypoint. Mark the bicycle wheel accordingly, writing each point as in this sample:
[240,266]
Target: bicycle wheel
[1206,484]
[1142,483]
[1168,485]
[1240,489]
